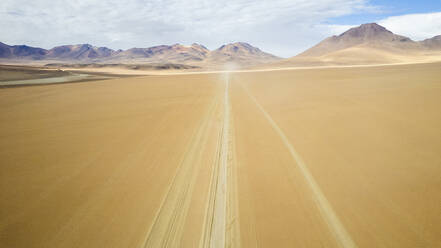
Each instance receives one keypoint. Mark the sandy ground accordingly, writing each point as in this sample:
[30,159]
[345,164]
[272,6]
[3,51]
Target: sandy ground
[14,72]
[370,138]
[331,157]
[19,76]
[361,55]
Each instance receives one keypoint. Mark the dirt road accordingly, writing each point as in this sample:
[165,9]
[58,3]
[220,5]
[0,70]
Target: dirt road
[335,157]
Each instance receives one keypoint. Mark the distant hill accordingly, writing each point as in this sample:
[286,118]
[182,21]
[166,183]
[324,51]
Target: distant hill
[79,52]
[21,52]
[198,55]
[176,53]
[432,43]
[370,34]
[240,53]
[367,44]
[149,66]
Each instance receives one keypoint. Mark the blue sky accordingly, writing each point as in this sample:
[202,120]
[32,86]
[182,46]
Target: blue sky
[389,8]
[281,27]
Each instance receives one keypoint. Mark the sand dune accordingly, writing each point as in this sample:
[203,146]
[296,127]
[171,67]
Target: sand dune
[331,157]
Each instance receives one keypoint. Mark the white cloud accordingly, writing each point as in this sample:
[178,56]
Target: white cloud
[284,27]
[415,26]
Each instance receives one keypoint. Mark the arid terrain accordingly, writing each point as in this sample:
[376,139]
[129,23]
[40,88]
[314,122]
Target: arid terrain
[25,75]
[321,157]
[367,44]
[174,56]
[12,73]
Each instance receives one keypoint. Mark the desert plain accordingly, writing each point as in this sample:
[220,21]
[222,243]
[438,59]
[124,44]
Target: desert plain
[322,157]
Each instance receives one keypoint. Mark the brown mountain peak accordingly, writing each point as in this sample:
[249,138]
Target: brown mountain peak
[239,47]
[369,34]
[367,31]
[432,43]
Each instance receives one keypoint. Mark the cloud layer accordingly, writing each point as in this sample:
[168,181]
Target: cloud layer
[280,26]
[283,27]
[414,26]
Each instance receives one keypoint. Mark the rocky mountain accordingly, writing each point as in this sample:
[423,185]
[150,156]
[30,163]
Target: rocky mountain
[195,54]
[21,52]
[79,52]
[176,53]
[368,35]
[432,43]
[367,44]
[240,53]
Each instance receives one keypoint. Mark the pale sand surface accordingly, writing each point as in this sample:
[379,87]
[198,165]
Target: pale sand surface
[359,55]
[370,137]
[95,164]
[331,157]
[120,71]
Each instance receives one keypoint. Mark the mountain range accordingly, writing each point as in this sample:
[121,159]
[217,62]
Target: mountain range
[366,44]
[239,52]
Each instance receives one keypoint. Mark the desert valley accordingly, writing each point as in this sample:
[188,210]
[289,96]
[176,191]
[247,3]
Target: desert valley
[182,146]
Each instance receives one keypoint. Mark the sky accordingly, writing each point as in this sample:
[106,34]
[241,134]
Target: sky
[282,27]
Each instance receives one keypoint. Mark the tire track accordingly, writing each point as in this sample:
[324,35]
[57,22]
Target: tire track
[221,221]
[336,227]
[232,236]
[167,228]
